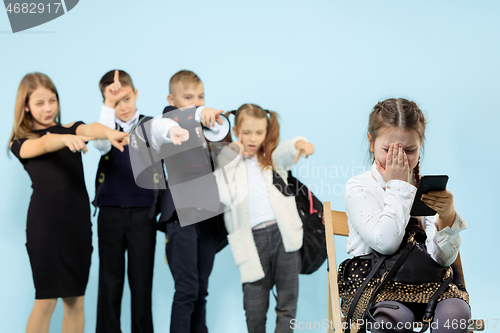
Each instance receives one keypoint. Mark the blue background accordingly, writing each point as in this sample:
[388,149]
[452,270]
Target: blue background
[322,65]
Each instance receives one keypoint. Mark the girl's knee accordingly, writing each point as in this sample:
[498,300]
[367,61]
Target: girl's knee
[46,305]
[453,308]
[451,315]
[73,303]
[389,316]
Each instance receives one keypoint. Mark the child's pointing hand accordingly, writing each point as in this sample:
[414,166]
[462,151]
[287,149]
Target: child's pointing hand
[76,143]
[117,139]
[303,148]
[178,135]
[209,116]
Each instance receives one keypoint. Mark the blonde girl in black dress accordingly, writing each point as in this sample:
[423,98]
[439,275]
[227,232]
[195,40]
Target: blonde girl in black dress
[58,232]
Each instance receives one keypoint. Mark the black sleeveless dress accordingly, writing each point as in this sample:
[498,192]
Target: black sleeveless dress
[58,231]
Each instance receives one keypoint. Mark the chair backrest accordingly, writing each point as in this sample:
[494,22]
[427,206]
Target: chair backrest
[339,223]
[335,224]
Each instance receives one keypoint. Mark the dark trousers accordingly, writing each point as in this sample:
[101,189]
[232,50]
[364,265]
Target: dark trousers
[190,254]
[120,230]
[281,269]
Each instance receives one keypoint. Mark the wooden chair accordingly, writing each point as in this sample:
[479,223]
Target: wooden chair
[336,224]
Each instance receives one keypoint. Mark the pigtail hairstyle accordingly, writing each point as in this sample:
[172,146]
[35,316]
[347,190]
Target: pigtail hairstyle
[416,171]
[23,121]
[271,141]
[265,154]
[228,137]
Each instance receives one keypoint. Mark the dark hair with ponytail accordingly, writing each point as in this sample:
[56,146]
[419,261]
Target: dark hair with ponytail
[400,113]
[264,155]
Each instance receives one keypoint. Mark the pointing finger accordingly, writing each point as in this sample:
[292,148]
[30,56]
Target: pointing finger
[219,119]
[297,155]
[204,118]
[115,143]
[240,137]
[117,79]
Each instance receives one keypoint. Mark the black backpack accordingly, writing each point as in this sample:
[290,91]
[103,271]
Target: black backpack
[310,210]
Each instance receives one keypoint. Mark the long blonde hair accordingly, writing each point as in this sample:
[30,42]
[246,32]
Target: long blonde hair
[264,155]
[23,121]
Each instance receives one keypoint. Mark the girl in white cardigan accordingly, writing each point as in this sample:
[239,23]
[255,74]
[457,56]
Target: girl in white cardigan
[265,230]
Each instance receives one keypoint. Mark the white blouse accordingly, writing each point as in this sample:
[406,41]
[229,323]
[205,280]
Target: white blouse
[378,213]
[260,209]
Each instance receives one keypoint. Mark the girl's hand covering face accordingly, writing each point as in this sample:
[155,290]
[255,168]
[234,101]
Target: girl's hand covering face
[396,164]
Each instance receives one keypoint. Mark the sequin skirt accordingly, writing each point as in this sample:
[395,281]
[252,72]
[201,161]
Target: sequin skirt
[352,274]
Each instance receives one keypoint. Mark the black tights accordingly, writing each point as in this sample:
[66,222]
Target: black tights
[451,315]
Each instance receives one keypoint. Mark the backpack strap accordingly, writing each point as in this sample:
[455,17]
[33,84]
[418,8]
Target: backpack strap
[103,168]
[360,291]
[280,184]
[157,194]
[385,278]
[311,208]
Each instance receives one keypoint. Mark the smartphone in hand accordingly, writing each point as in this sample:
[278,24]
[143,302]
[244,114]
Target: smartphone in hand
[426,185]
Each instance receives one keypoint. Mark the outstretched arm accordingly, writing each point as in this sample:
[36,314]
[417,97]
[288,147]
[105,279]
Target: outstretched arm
[165,130]
[208,116]
[107,118]
[286,155]
[53,142]
[98,131]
